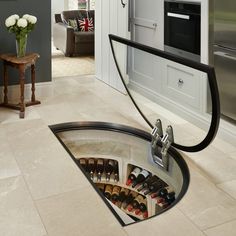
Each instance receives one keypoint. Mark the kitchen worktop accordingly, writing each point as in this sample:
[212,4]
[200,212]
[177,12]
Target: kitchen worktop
[42,192]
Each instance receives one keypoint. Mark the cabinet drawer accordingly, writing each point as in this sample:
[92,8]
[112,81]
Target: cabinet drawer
[182,85]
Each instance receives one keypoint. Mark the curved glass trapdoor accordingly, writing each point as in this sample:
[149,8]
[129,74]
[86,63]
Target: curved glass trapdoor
[179,92]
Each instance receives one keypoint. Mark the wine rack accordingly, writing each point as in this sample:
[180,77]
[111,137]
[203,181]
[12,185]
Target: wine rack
[108,177]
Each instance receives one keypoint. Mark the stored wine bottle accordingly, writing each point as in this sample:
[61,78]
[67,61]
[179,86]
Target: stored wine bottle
[91,167]
[109,168]
[162,205]
[143,175]
[116,172]
[164,191]
[124,192]
[145,215]
[136,203]
[133,175]
[154,187]
[170,197]
[132,195]
[115,194]
[100,187]
[83,162]
[142,207]
[100,168]
[108,191]
[147,183]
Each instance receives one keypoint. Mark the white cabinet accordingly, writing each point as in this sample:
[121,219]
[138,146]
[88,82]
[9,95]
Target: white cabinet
[111,18]
[182,85]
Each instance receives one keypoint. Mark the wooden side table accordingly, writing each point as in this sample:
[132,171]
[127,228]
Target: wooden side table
[21,64]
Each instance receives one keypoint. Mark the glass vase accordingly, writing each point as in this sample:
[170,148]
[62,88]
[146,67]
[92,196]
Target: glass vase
[21,42]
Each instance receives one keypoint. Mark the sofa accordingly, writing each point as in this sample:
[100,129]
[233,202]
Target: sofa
[71,40]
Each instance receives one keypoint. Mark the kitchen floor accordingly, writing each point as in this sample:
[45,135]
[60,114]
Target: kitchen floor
[42,192]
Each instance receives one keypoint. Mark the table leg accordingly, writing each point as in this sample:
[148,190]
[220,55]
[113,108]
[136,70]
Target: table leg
[33,100]
[5,82]
[33,82]
[22,90]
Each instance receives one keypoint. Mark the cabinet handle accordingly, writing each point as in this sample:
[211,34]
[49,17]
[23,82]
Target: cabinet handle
[122,3]
[180,82]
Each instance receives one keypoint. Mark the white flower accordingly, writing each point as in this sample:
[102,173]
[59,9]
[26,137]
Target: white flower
[22,23]
[25,16]
[32,19]
[10,21]
[16,17]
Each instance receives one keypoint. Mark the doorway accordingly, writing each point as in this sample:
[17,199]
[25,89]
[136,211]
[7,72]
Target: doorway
[67,58]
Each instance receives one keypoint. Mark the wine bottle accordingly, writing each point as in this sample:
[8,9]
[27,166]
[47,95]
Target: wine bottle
[83,163]
[124,192]
[135,203]
[115,194]
[148,182]
[91,167]
[162,205]
[100,168]
[140,178]
[116,172]
[132,195]
[108,191]
[164,191]
[145,215]
[142,207]
[154,187]
[109,168]
[133,175]
[170,197]
[100,187]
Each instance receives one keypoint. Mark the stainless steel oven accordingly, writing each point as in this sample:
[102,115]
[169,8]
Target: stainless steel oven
[182,32]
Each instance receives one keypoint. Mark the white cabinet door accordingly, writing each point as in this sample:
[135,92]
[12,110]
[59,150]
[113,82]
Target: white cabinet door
[147,22]
[111,18]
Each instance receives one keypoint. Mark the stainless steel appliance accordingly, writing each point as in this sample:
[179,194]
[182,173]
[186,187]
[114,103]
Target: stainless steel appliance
[223,53]
[182,31]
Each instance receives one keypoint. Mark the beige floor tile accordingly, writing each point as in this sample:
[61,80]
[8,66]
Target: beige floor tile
[223,146]
[18,215]
[8,165]
[47,167]
[78,213]
[233,155]
[205,204]
[229,187]
[228,229]
[58,113]
[171,223]
[218,165]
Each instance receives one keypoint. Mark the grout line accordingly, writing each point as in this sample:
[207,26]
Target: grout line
[226,222]
[198,227]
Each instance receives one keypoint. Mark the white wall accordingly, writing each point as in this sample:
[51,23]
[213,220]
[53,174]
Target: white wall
[111,18]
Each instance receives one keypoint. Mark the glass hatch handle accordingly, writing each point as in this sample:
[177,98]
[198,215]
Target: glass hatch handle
[160,154]
[122,3]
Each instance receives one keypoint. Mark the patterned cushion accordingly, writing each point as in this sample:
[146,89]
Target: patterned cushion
[86,24]
[74,24]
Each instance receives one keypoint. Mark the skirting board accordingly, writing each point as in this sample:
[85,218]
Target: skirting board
[42,90]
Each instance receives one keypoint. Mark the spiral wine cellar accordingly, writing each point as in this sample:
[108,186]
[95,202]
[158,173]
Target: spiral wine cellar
[138,174]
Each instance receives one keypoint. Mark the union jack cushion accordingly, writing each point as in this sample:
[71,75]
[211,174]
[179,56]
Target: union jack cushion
[86,24]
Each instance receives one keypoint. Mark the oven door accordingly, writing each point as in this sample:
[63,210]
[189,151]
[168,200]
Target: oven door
[182,32]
